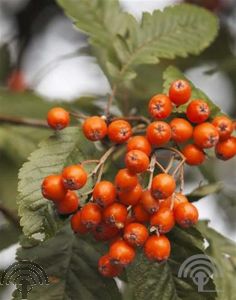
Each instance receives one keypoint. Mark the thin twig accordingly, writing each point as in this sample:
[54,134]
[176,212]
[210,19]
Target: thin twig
[78,115]
[170,164]
[90,161]
[178,167]
[151,170]
[23,121]
[160,166]
[10,215]
[182,179]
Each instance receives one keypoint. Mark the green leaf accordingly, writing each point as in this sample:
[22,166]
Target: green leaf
[9,235]
[223,250]
[204,190]
[149,280]
[38,214]
[171,74]
[71,266]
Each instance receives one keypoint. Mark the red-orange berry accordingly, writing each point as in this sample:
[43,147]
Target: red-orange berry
[125,181]
[77,225]
[150,204]
[68,204]
[53,188]
[58,118]
[186,214]
[91,215]
[181,130]
[105,232]
[165,203]
[141,143]
[119,131]
[115,214]
[157,248]
[121,253]
[104,193]
[107,269]
[140,214]
[94,128]
[226,149]
[163,186]
[193,154]
[16,82]
[180,92]
[74,177]
[158,133]
[136,161]
[135,234]
[179,199]
[205,135]
[224,126]
[131,197]
[163,220]
[160,106]
[198,111]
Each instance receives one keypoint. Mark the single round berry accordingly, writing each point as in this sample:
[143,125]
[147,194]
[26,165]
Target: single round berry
[74,177]
[58,118]
[160,106]
[115,214]
[193,154]
[131,197]
[163,220]
[157,248]
[205,135]
[136,161]
[180,92]
[224,127]
[163,186]
[135,234]
[166,203]
[95,128]
[77,225]
[121,253]
[107,269]
[179,198]
[141,143]
[226,149]
[53,188]
[104,193]
[16,82]
[158,133]
[186,215]
[105,232]
[198,111]
[119,131]
[181,130]
[91,215]
[68,204]
[125,181]
[140,214]
[150,204]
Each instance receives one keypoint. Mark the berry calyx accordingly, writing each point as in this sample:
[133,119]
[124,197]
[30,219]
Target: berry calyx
[180,92]
[119,131]
[135,234]
[125,181]
[53,188]
[193,154]
[186,215]
[163,186]
[74,177]
[160,106]
[205,135]
[94,128]
[157,248]
[198,111]
[136,161]
[68,204]
[141,143]
[104,193]
[121,253]
[181,130]
[158,133]
[58,118]
[91,215]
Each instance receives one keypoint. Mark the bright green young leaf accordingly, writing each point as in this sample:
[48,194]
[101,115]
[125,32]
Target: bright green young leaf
[223,250]
[37,214]
[171,74]
[204,190]
[151,281]
[71,266]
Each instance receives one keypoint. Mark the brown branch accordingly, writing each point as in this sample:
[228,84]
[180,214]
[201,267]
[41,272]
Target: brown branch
[23,121]
[10,215]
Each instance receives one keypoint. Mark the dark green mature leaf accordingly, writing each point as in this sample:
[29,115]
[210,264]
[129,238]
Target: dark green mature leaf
[149,280]
[223,250]
[171,74]
[67,147]
[204,190]
[9,235]
[71,265]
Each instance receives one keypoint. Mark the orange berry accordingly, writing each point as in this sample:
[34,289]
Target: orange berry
[179,199]
[125,181]
[104,193]
[131,197]
[157,248]
[180,92]
[94,128]
[91,215]
[115,214]
[205,135]
[158,133]
[107,269]
[135,234]
[226,149]
[160,106]
[163,186]
[150,204]
[58,118]
[77,225]
[68,204]
[119,131]
[74,177]
[139,143]
[224,127]
[198,111]
[121,253]
[193,154]
[140,214]
[163,220]
[105,232]
[186,214]
[136,161]
[181,130]
[53,188]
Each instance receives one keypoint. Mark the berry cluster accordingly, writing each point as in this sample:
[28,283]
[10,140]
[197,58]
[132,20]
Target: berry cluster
[123,212]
